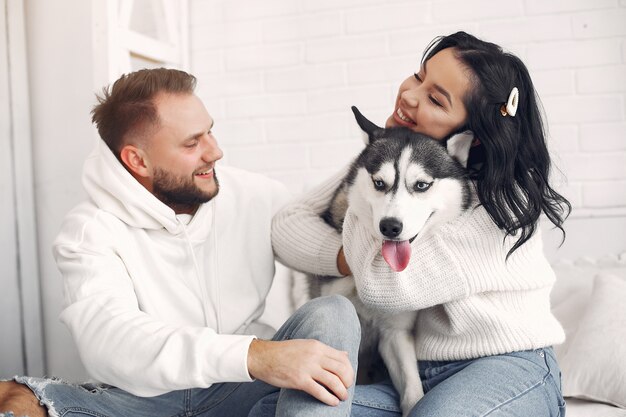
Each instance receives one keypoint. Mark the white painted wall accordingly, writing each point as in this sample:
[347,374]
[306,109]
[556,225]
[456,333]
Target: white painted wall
[279,77]
[22,347]
[11,347]
[61,88]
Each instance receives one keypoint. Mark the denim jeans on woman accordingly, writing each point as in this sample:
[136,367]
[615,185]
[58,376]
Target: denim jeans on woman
[317,319]
[520,384]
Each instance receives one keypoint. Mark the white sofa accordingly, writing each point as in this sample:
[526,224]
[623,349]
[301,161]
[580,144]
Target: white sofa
[589,299]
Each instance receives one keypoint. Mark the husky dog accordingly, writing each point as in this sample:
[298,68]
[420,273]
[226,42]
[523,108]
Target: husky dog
[402,185]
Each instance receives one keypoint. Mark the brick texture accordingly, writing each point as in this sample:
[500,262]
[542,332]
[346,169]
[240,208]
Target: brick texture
[279,77]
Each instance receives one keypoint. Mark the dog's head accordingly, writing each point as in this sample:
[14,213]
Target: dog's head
[403,184]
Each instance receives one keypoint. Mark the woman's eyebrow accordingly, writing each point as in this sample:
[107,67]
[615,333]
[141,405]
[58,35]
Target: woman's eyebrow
[439,88]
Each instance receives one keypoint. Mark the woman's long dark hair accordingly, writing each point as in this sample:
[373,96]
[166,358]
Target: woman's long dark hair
[514,163]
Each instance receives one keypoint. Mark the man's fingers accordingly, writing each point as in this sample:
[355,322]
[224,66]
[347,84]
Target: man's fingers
[338,355]
[308,365]
[332,383]
[321,393]
[342,368]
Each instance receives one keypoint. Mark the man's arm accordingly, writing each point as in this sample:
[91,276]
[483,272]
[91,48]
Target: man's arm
[122,345]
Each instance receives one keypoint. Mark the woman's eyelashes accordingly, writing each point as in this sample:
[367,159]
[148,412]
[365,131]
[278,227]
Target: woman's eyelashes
[434,101]
[432,98]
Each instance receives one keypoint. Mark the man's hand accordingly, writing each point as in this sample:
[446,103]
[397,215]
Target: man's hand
[306,365]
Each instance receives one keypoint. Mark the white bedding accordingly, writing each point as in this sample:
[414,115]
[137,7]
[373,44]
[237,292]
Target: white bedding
[581,408]
[588,299]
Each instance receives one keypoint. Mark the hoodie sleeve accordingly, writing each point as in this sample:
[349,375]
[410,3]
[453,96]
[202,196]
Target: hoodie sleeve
[280,196]
[300,237]
[125,347]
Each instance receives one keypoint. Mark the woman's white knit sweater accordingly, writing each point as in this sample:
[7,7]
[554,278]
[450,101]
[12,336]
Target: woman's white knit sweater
[472,301]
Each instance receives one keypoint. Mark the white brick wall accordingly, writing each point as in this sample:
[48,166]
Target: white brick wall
[279,76]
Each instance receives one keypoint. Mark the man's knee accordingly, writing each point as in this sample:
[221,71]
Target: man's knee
[20,400]
[333,306]
[342,308]
[334,310]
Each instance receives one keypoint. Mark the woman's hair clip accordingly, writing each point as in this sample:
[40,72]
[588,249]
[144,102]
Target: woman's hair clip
[510,107]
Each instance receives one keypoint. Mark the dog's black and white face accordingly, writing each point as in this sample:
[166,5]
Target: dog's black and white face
[404,184]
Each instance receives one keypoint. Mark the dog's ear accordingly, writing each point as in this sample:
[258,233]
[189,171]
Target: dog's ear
[366,126]
[459,145]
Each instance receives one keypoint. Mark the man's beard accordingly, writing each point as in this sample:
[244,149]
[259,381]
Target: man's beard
[181,194]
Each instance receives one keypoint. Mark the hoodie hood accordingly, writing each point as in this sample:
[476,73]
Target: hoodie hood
[115,190]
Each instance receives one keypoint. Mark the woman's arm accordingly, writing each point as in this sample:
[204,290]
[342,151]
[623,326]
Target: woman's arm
[300,237]
[463,257]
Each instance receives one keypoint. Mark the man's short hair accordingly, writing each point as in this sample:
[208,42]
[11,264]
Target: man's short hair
[127,108]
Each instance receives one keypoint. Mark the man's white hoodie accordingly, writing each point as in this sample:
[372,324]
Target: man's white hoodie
[156,302]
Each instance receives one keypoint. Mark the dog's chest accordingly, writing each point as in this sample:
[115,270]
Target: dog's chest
[373,321]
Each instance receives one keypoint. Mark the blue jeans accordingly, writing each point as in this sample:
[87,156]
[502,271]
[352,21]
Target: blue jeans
[315,320]
[518,384]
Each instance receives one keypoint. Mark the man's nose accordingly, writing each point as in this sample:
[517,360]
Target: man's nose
[212,152]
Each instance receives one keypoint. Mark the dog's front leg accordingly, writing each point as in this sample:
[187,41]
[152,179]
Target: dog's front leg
[397,348]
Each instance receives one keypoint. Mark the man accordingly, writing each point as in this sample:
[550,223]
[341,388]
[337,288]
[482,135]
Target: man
[166,270]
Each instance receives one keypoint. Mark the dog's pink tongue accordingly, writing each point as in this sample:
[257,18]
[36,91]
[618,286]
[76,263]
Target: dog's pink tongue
[397,254]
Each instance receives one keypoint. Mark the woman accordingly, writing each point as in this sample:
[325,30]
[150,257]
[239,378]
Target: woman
[485,329]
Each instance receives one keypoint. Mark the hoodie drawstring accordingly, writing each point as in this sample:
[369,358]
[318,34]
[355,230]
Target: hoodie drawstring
[214,276]
[215,264]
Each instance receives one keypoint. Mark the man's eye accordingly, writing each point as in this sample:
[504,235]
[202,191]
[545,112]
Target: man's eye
[191,144]
[422,186]
[417,77]
[379,184]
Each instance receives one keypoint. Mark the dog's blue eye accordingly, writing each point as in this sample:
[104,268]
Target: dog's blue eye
[379,184]
[422,186]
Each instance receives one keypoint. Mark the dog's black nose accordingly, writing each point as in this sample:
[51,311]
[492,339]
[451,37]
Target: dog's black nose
[390,227]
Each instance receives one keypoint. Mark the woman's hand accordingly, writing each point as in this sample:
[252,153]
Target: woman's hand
[342,265]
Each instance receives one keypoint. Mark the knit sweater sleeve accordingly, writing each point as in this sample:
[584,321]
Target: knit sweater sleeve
[463,257]
[301,239]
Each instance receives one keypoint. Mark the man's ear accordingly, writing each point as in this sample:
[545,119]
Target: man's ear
[135,160]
